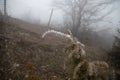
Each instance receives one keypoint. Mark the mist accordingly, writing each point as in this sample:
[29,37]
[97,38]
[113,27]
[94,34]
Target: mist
[38,11]
[33,10]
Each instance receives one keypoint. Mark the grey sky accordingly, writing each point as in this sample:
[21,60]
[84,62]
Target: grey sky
[35,9]
[40,10]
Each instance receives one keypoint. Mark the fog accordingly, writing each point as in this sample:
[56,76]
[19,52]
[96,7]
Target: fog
[39,11]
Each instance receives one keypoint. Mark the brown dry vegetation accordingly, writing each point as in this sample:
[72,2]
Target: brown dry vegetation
[26,53]
[26,56]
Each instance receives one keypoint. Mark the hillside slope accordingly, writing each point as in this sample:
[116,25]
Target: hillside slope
[23,47]
[25,52]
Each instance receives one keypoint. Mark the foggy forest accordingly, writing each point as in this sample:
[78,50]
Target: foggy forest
[59,40]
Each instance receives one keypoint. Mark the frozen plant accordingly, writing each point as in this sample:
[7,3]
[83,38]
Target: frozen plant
[69,36]
[78,68]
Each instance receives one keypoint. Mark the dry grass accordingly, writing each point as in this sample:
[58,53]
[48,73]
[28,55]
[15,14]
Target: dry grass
[24,45]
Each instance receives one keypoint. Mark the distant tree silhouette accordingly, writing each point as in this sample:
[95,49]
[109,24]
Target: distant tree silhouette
[5,7]
[82,13]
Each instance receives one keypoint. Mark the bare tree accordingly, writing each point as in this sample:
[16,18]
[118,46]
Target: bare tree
[5,7]
[83,12]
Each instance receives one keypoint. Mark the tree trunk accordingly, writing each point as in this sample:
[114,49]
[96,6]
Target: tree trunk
[75,30]
[5,8]
[76,27]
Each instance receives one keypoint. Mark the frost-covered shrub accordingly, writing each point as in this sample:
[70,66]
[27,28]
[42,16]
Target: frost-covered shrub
[76,67]
[80,69]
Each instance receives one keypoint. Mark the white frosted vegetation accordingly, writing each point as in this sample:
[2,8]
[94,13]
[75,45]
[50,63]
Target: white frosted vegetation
[69,36]
[57,33]
[94,70]
[61,34]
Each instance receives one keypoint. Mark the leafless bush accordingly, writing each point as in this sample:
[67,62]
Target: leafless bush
[81,69]
[75,64]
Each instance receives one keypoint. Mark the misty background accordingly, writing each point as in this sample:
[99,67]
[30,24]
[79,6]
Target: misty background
[32,10]
[39,11]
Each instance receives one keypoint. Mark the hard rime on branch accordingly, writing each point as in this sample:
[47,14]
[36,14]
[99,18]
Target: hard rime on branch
[80,69]
[75,65]
[69,36]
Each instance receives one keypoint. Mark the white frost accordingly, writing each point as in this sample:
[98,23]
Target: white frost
[56,32]
[62,34]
